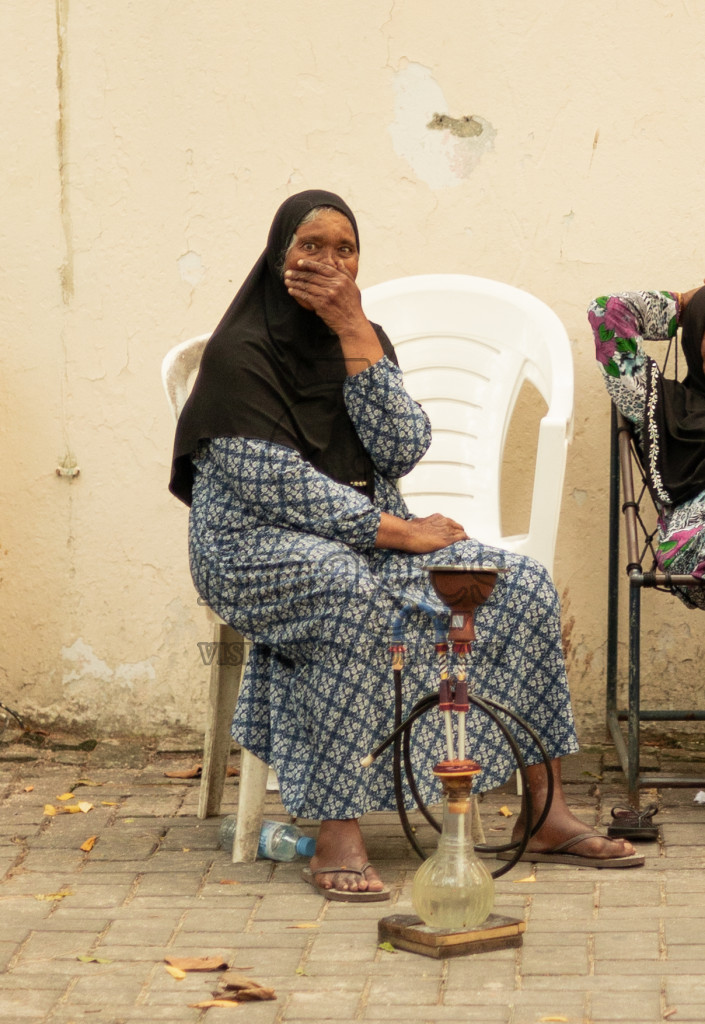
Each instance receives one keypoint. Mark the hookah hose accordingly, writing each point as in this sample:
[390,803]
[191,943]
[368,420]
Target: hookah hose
[401,739]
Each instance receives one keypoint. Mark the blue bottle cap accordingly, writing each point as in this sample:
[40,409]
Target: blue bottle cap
[305,846]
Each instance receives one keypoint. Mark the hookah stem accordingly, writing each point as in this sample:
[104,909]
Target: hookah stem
[444,698]
[449,735]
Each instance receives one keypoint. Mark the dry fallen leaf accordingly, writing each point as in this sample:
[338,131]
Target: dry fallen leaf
[669,1012]
[197,963]
[305,924]
[529,878]
[65,796]
[186,773]
[53,895]
[175,972]
[558,1020]
[28,789]
[230,881]
[49,810]
[505,812]
[387,947]
[84,806]
[108,803]
[245,989]
[69,809]
[207,1003]
[89,844]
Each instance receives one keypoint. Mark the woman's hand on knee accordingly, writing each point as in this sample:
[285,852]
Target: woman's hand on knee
[418,536]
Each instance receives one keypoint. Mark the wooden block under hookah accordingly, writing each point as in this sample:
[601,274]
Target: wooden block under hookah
[407,931]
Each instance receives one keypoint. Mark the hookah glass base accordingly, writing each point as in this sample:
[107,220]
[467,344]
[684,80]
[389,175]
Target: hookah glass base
[453,890]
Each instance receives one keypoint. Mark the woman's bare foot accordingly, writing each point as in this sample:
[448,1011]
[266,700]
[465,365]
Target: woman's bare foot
[340,844]
[561,824]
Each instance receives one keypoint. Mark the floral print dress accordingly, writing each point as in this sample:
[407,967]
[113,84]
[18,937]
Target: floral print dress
[286,555]
[620,323]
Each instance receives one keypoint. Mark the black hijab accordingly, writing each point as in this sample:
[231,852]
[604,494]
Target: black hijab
[273,370]
[674,428]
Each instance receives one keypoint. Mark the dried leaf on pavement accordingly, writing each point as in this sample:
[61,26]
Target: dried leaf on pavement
[387,947]
[244,988]
[505,812]
[89,844]
[197,963]
[84,806]
[53,895]
[230,881]
[28,789]
[207,1003]
[529,878]
[305,924]
[186,773]
[65,796]
[175,972]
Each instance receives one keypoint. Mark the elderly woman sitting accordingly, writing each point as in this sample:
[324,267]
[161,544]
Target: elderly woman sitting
[288,451]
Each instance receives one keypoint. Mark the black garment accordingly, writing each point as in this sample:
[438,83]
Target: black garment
[273,370]
[674,431]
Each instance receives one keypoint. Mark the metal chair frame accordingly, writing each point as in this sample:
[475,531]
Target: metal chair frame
[624,462]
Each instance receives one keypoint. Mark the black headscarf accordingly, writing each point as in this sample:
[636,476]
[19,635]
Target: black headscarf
[674,428]
[273,370]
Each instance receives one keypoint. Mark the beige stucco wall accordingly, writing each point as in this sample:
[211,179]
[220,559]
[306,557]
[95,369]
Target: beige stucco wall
[146,144]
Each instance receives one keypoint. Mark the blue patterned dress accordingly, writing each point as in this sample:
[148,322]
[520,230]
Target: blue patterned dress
[286,555]
[620,323]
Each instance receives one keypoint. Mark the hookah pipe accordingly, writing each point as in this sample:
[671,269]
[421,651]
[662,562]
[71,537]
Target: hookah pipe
[462,590]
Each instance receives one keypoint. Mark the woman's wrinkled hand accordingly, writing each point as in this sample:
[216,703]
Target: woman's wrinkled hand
[418,536]
[330,291]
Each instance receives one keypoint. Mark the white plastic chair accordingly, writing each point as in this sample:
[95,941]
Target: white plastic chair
[466,346]
[179,369]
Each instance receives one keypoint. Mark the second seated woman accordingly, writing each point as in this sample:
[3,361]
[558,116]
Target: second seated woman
[668,415]
[288,451]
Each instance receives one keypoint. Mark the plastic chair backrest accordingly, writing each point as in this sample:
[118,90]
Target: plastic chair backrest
[179,369]
[466,345]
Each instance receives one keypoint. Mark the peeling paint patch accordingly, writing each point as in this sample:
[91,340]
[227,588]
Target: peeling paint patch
[83,669]
[463,127]
[442,150]
[191,268]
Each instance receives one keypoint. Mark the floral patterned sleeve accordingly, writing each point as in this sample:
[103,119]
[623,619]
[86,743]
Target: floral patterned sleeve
[620,323]
[391,425]
[275,486]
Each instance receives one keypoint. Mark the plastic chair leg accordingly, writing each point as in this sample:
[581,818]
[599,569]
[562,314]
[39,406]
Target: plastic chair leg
[250,807]
[226,675]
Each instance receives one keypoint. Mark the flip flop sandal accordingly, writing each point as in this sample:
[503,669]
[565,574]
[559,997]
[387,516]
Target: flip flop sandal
[343,895]
[628,823]
[560,855]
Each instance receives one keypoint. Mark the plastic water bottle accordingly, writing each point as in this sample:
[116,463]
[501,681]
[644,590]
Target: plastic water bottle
[277,841]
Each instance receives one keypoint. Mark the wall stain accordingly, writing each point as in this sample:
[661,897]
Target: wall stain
[66,270]
[463,127]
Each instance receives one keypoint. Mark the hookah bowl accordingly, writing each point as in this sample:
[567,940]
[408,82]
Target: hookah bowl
[453,890]
[463,590]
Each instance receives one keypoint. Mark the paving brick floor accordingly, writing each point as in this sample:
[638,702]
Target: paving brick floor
[600,946]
